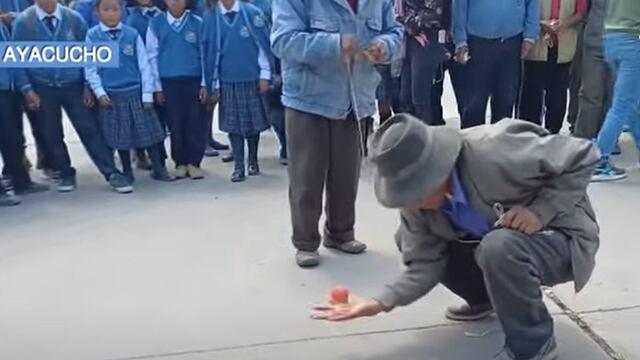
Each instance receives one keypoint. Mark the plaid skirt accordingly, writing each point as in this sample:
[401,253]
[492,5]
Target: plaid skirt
[127,124]
[242,109]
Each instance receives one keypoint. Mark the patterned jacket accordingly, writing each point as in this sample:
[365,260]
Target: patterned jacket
[422,17]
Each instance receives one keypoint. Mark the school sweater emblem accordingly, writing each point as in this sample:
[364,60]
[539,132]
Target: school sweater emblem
[258,21]
[127,49]
[244,32]
[191,37]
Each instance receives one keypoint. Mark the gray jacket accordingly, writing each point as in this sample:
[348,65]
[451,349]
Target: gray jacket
[512,163]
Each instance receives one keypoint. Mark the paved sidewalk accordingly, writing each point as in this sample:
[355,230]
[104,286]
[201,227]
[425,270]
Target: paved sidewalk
[199,270]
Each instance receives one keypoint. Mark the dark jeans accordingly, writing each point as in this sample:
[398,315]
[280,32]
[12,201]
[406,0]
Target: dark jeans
[418,73]
[456,73]
[84,120]
[328,162]
[545,88]
[185,117]
[276,118]
[508,268]
[11,145]
[493,72]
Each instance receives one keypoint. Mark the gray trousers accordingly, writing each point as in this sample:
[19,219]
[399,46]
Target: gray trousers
[595,93]
[324,159]
[576,71]
[512,267]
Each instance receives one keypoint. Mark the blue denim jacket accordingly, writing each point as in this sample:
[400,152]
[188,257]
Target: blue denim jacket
[306,37]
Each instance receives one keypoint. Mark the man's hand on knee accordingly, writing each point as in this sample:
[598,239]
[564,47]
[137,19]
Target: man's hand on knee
[522,219]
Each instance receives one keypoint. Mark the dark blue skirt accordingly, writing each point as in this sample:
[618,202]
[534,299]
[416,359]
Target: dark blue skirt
[127,124]
[242,109]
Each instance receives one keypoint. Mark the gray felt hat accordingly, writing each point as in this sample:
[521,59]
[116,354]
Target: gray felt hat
[411,159]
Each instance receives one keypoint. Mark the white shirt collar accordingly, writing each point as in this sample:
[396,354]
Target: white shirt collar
[234,8]
[42,14]
[173,20]
[105,28]
[145,10]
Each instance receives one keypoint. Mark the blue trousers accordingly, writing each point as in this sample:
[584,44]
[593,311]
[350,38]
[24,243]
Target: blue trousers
[84,120]
[622,52]
[11,146]
[493,72]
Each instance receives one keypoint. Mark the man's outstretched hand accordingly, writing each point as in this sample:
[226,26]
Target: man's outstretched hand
[339,311]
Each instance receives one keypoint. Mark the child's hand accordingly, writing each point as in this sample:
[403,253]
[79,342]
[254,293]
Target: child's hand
[148,105]
[203,96]
[88,98]
[105,101]
[7,18]
[263,86]
[377,52]
[159,97]
[462,55]
[32,100]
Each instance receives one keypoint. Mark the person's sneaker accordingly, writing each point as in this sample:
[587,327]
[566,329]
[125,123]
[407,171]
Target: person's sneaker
[181,172]
[253,170]
[307,259]
[350,247]
[34,188]
[238,176]
[195,172]
[65,185]
[130,177]
[219,146]
[607,172]
[549,351]
[211,152]
[468,312]
[120,183]
[8,196]
[51,175]
[142,162]
[163,176]
[227,158]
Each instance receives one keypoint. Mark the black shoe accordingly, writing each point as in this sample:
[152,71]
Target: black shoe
[227,158]
[253,170]
[218,146]
[66,185]
[163,176]
[211,152]
[469,312]
[237,176]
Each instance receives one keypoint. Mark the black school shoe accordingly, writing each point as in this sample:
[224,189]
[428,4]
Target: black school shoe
[238,176]
[467,312]
[219,146]
[227,158]
[253,170]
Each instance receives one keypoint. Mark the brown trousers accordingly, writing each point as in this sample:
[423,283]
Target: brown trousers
[324,159]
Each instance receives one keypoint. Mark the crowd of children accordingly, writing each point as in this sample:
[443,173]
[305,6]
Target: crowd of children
[178,60]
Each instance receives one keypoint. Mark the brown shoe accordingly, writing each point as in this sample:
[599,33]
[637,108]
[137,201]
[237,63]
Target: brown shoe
[350,247]
[469,312]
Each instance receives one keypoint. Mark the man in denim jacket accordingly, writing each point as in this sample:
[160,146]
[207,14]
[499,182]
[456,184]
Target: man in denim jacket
[328,50]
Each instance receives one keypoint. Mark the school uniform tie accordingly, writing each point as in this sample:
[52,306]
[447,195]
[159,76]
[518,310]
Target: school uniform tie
[113,33]
[49,22]
[230,15]
[176,24]
[151,14]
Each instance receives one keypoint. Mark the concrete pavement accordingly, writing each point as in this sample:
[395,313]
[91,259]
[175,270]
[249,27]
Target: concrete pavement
[198,270]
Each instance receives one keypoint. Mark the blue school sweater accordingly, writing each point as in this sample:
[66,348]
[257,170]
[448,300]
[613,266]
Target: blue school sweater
[231,50]
[127,75]
[28,27]
[139,21]
[179,50]
[5,73]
